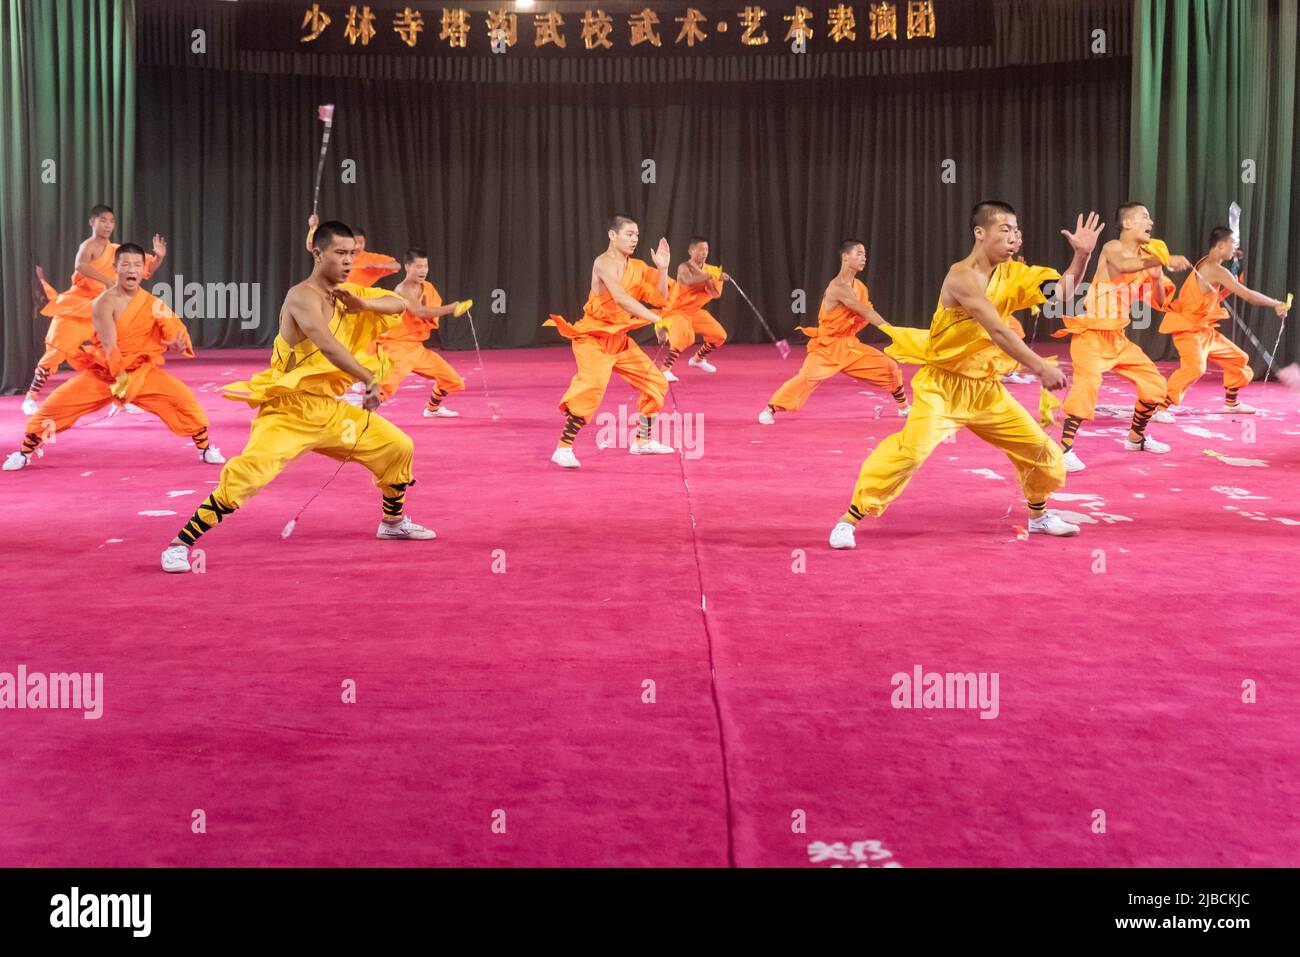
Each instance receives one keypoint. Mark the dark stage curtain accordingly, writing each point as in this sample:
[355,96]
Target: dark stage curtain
[67,135]
[509,186]
[1214,87]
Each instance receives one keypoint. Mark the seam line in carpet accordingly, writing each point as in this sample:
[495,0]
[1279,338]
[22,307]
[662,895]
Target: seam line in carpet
[708,639]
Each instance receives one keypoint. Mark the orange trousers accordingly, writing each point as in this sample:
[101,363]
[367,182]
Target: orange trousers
[599,357]
[683,327]
[848,356]
[413,357]
[1097,351]
[1195,348]
[155,390]
[62,340]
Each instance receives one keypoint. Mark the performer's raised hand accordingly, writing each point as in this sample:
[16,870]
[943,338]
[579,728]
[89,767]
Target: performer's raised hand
[1281,310]
[661,255]
[159,246]
[1086,233]
[313,220]
[349,301]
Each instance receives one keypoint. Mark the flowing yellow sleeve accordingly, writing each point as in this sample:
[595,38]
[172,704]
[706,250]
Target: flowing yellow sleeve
[909,344]
[1025,284]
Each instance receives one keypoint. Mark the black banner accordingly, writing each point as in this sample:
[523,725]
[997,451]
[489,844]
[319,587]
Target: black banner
[578,30]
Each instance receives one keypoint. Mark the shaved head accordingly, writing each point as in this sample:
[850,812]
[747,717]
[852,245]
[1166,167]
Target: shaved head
[985,213]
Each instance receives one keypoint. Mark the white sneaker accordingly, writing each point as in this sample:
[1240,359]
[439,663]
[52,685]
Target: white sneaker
[1147,444]
[563,457]
[134,409]
[212,455]
[1179,409]
[842,536]
[903,410]
[668,374]
[442,413]
[704,365]
[1073,463]
[405,529]
[1049,523]
[766,417]
[30,406]
[1165,416]
[16,461]
[651,448]
[1239,408]
[176,558]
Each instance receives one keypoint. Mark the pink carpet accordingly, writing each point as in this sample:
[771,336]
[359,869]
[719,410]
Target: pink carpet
[501,671]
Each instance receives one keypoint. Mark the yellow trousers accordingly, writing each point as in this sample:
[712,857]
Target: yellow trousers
[942,403]
[287,426]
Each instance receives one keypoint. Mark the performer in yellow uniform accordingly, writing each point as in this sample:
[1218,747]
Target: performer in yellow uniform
[327,330]
[969,347]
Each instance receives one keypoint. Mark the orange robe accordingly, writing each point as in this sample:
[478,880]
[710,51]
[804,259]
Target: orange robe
[601,346]
[1098,343]
[69,311]
[368,268]
[687,316]
[833,347]
[133,368]
[1193,320]
[404,344]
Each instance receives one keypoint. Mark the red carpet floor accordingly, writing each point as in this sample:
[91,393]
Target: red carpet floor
[502,672]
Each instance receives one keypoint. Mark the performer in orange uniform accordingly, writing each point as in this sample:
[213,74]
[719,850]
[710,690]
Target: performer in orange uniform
[404,343]
[132,331]
[969,346]
[69,311]
[367,268]
[1193,320]
[1129,270]
[601,346]
[697,284]
[833,344]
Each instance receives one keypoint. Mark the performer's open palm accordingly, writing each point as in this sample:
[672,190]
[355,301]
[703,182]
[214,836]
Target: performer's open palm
[159,246]
[1085,235]
[349,301]
[661,255]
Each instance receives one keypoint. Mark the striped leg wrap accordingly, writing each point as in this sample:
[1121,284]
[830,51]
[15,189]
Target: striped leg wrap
[39,378]
[1142,413]
[1230,396]
[31,442]
[210,513]
[1071,426]
[435,399]
[395,500]
[704,350]
[673,356]
[899,396]
[201,439]
[643,428]
[854,515]
[572,423]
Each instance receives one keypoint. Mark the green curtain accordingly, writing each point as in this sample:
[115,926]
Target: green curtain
[1214,107]
[67,129]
